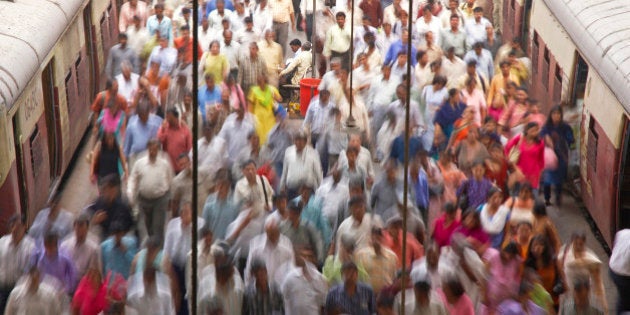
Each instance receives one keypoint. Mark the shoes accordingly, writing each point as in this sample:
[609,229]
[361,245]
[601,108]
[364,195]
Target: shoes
[558,201]
[547,203]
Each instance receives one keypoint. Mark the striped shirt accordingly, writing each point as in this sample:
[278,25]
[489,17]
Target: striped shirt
[361,302]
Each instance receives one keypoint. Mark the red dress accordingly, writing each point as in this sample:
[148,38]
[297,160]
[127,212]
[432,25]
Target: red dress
[532,159]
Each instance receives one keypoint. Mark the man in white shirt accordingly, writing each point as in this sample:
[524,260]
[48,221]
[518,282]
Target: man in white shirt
[127,82]
[234,132]
[318,115]
[271,247]
[337,43]
[333,192]
[476,28]
[301,165]
[428,23]
[264,18]
[364,159]
[254,189]
[385,38]
[231,50]
[16,250]
[206,34]
[216,17]
[149,187]
[358,225]
[301,63]
[416,123]
[82,248]
[453,9]
[304,288]
[34,296]
[452,67]
[166,55]
[137,35]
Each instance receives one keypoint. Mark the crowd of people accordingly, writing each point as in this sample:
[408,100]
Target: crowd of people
[312,219]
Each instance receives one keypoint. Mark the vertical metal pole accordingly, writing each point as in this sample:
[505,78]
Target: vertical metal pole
[406,170]
[351,122]
[313,63]
[195,159]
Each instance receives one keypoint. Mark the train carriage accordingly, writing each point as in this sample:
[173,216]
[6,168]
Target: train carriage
[580,57]
[51,56]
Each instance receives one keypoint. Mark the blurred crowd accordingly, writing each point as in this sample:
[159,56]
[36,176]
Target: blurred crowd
[308,216]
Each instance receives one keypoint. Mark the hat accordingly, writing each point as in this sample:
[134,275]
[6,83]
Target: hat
[420,274]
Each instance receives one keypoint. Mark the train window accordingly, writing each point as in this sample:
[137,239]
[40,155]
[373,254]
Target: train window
[535,53]
[591,148]
[68,91]
[36,151]
[77,74]
[557,84]
[545,69]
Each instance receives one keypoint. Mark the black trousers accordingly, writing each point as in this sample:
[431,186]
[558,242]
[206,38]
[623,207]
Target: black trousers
[623,287]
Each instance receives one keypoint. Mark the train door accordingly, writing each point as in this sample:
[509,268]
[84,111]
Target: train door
[90,51]
[19,162]
[623,186]
[53,122]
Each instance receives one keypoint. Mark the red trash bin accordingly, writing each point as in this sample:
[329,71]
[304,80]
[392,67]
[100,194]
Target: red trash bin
[308,89]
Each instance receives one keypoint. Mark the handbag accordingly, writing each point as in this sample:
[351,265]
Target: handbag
[515,152]
[551,159]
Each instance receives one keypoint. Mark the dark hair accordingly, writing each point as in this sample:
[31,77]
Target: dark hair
[504,63]
[530,125]
[540,209]
[173,111]
[493,190]
[247,163]
[511,248]
[439,79]
[340,14]
[455,285]
[295,42]
[555,109]
[420,54]
[256,265]
[452,92]
[356,201]
[109,181]
[478,9]
[547,254]
[122,36]
[471,63]
[449,207]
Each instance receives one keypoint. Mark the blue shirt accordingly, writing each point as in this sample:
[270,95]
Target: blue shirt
[114,259]
[421,189]
[395,48]
[218,214]
[485,64]
[398,148]
[165,27]
[362,302]
[138,134]
[59,267]
[312,212]
[477,191]
[206,96]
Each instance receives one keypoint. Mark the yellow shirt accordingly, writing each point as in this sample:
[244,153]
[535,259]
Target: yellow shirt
[217,66]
